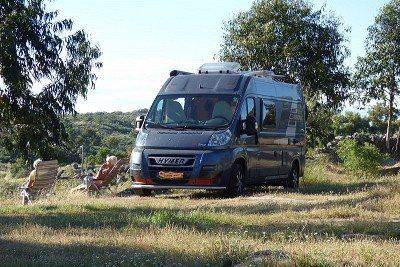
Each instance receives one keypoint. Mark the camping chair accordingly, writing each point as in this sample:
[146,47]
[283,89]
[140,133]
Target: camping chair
[44,185]
[106,182]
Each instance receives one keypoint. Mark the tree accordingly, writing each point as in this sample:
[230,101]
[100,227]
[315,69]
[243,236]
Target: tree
[38,51]
[378,117]
[377,74]
[290,38]
[350,123]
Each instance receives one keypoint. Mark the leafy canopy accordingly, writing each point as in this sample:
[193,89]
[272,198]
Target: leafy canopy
[290,38]
[44,67]
[350,123]
[378,72]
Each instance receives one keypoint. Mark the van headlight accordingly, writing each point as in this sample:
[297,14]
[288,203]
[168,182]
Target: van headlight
[136,157]
[220,138]
[141,139]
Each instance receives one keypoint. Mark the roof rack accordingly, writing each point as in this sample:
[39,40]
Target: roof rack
[178,72]
[219,68]
[263,73]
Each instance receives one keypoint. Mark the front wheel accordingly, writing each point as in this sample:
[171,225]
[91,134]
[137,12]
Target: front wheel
[142,192]
[292,181]
[235,185]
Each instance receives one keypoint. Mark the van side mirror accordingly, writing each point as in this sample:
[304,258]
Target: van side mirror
[250,126]
[139,122]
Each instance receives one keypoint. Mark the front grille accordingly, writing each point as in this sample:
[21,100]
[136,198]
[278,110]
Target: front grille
[189,162]
[171,160]
[170,166]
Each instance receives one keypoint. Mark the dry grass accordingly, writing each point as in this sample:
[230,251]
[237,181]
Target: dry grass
[334,220]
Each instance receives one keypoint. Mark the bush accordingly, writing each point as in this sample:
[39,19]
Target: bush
[19,169]
[360,158]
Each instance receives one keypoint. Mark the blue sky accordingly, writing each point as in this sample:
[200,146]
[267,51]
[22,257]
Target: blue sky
[143,40]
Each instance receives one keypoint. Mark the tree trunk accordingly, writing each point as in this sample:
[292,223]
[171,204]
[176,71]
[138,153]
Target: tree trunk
[398,140]
[390,115]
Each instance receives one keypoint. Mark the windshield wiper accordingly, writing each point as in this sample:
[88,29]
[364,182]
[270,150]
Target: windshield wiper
[151,124]
[205,127]
[159,125]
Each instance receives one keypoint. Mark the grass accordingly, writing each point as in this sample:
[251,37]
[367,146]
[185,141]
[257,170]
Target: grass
[335,219]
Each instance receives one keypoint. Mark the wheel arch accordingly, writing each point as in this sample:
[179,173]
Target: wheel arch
[242,161]
[296,161]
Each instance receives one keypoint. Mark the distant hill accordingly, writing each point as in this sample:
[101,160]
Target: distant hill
[100,134]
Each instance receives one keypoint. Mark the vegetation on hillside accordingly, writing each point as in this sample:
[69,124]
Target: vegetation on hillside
[99,133]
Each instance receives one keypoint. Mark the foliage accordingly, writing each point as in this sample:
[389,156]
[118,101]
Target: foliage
[111,132]
[37,51]
[290,38]
[350,123]
[319,125]
[100,134]
[19,169]
[378,116]
[377,73]
[360,158]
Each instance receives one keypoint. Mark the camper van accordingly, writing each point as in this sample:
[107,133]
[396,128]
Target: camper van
[220,129]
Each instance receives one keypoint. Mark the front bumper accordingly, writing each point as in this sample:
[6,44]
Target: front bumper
[209,169]
[137,185]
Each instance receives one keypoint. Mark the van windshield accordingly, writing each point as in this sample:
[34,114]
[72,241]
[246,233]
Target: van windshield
[192,112]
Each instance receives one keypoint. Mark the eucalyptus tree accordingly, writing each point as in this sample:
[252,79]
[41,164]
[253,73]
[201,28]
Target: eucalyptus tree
[377,75]
[291,38]
[44,67]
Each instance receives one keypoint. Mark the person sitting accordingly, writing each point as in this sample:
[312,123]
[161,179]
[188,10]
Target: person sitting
[95,182]
[31,180]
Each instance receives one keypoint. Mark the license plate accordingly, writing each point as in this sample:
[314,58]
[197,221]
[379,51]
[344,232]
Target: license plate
[171,175]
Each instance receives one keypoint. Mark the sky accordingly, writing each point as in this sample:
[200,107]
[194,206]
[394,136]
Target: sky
[143,40]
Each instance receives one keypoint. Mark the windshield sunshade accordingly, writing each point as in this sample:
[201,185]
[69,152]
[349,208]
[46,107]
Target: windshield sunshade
[192,112]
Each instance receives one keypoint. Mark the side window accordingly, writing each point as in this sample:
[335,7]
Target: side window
[268,115]
[248,108]
[251,107]
[158,113]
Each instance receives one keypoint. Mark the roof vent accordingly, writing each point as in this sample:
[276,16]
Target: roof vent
[219,68]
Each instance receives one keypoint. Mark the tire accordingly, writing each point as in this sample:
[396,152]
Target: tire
[142,192]
[292,182]
[235,186]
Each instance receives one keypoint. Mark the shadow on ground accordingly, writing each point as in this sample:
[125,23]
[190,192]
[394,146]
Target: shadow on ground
[17,253]
[204,221]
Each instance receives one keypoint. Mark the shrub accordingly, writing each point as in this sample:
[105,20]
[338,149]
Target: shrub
[360,158]
[19,169]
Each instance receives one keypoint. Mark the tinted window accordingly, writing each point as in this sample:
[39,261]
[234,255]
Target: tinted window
[192,111]
[251,107]
[268,115]
[248,108]
[158,113]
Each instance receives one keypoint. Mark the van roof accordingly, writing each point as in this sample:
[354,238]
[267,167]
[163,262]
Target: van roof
[187,83]
[203,84]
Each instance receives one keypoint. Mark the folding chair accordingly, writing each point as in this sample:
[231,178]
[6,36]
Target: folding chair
[44,185]
[105,183]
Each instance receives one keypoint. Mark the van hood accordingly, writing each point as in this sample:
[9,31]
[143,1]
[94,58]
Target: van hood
[176,139]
